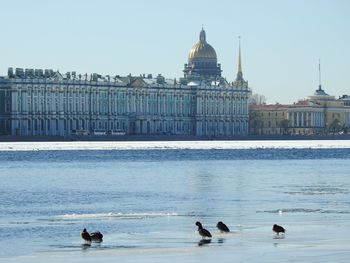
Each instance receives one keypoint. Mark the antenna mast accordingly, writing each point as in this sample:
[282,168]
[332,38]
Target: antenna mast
[319,75]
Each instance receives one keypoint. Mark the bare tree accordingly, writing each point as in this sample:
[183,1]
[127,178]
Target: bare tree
[257,99]
[284,125]
[335,126]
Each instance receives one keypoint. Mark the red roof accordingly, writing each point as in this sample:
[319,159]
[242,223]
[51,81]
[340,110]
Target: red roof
[267,107]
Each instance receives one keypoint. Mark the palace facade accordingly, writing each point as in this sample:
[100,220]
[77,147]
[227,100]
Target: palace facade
[202,103]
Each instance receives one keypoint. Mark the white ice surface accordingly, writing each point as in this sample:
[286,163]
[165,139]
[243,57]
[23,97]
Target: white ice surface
[278,252]
[162,145]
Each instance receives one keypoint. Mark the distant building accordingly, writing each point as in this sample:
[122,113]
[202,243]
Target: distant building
[345,99]
[37,102]
[268,119]
[306,117]
[319,113]
[337,111]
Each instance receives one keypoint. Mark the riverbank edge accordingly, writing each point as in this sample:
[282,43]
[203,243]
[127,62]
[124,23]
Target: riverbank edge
[10,138]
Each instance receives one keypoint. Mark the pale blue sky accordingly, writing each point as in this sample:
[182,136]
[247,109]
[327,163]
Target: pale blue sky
[281,40]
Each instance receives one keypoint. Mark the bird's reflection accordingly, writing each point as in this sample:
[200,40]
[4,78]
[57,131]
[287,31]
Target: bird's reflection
[85,246]
[221,240]
[204,242]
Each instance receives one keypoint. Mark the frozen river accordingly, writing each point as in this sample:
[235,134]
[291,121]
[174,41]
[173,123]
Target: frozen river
[145,197]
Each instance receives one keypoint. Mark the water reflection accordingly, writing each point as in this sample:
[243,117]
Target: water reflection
[221,240]
[203,242]
[279,237]
[85,246]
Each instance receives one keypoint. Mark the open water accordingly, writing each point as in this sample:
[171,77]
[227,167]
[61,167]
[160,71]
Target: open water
[146,203]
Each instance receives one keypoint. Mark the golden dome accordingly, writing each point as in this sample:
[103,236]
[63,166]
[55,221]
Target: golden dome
[202,50]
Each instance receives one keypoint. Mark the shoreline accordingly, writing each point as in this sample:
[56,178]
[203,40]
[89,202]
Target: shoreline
[126,138]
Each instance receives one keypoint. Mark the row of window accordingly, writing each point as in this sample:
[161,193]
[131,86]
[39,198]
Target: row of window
[49,125]
[120,107]
[180,127]
[146,94]
[270,114]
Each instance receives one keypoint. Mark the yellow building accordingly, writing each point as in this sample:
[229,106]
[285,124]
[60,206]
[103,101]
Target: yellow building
[316,114]
[268,119]
[336,111]
[305,117]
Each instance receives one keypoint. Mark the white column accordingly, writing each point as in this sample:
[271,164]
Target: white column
[302,119]
[298,119]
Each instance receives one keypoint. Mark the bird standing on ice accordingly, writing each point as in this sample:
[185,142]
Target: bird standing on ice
[96,236]
[85,235]
[278,229]
[222,227]
[202,231]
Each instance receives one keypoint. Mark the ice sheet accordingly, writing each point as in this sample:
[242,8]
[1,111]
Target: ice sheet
[162,145]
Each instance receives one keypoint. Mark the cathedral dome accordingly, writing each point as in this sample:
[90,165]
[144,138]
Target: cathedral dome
[202,61]
[202,50]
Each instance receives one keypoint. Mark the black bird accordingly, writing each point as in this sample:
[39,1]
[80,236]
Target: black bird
[85,235]
[222,227]
[96,236]
[278,229]
[202,231]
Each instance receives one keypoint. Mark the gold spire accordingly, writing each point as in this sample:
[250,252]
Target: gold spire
[239,72]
